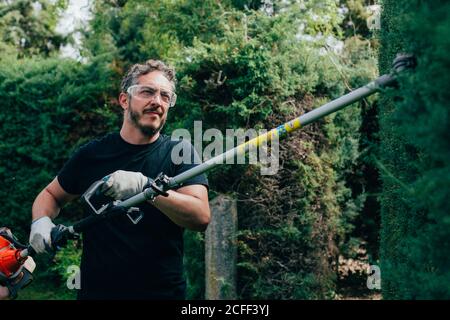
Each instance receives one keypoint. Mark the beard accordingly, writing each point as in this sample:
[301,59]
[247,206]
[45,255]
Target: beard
[146,130]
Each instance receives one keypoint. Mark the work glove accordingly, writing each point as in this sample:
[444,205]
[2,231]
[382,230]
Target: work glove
[124,184]
[40,238]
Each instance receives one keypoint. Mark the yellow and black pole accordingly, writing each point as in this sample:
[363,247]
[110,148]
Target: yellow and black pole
[401,62]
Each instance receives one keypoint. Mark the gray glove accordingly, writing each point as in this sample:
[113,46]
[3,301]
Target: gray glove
[124,184]
[40,238]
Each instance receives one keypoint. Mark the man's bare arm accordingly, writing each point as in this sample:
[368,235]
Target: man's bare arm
[188,207]
[50,201]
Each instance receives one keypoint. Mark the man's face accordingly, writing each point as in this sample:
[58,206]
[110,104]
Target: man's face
[149,114]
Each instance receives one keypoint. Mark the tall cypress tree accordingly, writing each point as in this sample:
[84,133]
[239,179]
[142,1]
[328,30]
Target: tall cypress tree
[415,153]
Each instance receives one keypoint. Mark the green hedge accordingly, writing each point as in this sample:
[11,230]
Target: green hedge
[48,108]
[414,153]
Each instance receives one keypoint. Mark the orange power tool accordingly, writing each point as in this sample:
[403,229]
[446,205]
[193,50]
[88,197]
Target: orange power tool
[16,267]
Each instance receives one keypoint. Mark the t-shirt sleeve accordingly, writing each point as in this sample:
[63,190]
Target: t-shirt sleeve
[69,177]
[186,165]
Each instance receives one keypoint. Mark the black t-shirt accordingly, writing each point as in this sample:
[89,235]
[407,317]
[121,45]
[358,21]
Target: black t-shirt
[121,260]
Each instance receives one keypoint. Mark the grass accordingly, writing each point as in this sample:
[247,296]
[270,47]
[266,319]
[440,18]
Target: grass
[45,288]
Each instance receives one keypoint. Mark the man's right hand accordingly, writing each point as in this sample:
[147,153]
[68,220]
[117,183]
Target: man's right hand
[40,238]
[4,293]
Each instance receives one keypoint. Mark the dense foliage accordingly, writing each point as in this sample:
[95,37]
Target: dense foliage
[27,27]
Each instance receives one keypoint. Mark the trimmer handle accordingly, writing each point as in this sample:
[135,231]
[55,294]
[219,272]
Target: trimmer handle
[59,235]
[133,213]
[90,192]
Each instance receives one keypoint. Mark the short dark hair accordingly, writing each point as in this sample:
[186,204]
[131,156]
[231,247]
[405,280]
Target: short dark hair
[137,70]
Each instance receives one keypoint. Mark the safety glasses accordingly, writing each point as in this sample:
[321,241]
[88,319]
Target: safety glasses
[147,93]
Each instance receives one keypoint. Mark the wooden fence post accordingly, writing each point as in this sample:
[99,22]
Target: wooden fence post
[220,250]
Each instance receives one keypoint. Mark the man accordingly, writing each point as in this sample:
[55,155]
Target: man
[122,260]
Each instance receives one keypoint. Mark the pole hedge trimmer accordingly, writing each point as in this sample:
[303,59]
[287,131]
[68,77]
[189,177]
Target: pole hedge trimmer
[15,272]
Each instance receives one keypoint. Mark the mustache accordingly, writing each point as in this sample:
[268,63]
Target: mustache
[154,109]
